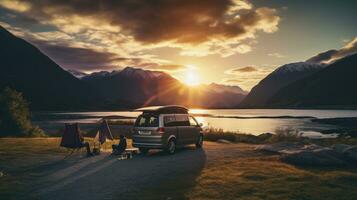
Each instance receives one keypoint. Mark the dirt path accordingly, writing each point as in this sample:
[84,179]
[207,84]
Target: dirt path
[106,177]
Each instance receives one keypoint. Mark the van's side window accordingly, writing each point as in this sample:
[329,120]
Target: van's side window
[193,122]
[169,121]
[182,120]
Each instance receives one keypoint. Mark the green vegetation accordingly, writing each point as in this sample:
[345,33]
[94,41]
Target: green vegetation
[20,156]
[214,134]
[121,122]
[237,172]
[251,175]
[15,115]
[280,135]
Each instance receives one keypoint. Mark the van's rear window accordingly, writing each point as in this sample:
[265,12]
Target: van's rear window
[147,120]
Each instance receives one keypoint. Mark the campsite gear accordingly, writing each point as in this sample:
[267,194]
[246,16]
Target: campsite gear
[103,133]
[72,138]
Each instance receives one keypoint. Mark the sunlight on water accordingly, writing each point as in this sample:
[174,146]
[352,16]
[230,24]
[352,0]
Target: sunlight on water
[253,121]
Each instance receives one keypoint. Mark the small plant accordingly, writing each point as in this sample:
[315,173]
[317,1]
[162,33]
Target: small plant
[121,122]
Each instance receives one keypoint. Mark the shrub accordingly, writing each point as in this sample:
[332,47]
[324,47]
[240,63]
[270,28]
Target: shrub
[15,115]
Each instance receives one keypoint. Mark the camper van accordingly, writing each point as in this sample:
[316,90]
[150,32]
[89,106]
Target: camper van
[166,127]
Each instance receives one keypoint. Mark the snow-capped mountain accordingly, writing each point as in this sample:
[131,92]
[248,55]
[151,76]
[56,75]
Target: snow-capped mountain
[278,79]
[332,86]
[137,72]
[77,74]
[298,67]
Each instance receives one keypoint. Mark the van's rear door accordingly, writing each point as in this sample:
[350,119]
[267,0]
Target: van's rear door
[147,124]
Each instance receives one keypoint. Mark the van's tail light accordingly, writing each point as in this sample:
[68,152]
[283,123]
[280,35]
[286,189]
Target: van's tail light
[161,130]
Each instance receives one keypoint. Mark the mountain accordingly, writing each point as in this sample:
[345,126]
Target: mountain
[145,87]
[43,83]
[48,87]
[278,79]
[77,74]
[226,89]
[333,86]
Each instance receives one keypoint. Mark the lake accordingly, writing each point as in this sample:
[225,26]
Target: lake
[253,121]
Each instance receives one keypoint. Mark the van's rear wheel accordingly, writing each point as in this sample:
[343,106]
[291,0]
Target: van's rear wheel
[199,142]
[143,150]
[171,146]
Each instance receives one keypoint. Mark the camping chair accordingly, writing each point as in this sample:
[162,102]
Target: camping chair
[102,135]
[72,138]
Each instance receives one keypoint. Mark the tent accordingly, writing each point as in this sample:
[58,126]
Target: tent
[71,138]
[103,133]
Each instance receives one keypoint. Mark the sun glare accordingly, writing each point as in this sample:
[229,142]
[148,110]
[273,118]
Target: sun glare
[192,77]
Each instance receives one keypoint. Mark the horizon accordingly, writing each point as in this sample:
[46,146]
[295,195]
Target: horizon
[225,42]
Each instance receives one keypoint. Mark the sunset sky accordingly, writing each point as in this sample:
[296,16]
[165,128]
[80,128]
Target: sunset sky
[234,42]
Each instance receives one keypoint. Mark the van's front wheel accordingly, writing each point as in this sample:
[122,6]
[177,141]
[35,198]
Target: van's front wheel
[199,142]
[171,146]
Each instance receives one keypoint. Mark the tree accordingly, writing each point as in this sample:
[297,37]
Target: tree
[15,115]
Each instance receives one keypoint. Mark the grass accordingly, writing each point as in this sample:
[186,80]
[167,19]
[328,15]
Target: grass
[247,174]
[266,177]
[242,175]
[20,156]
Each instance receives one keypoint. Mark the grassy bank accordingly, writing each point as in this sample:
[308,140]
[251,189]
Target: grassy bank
[261,176]
[280,135]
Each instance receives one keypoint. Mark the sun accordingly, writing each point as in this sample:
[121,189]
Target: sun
[192,77]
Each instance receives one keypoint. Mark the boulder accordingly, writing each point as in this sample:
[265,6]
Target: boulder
[288,147]
[350,154]
[340,148]
[321,157]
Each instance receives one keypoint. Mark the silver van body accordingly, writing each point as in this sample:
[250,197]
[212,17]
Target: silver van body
[166,127]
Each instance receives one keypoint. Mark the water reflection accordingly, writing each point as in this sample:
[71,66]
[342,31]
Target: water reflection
[242,120]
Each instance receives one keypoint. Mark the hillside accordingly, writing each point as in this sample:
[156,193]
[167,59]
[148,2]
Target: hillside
[333,86]
[43,83]
[278,79]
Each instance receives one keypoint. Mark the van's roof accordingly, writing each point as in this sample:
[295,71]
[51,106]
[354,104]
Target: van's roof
[164,109]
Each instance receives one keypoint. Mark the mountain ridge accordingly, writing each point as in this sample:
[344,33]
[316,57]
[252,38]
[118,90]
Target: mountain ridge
[276,80]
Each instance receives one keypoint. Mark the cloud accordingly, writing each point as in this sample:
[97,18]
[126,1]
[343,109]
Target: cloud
[333,55]
[247,77]
[241,70]
[198,28]
[276,55]
[168,67]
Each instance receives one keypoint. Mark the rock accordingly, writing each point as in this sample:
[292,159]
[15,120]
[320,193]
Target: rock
[350,153]
[340,148]
[288,147]
[321,157]
[265,136]
[224,141]
[277,147]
